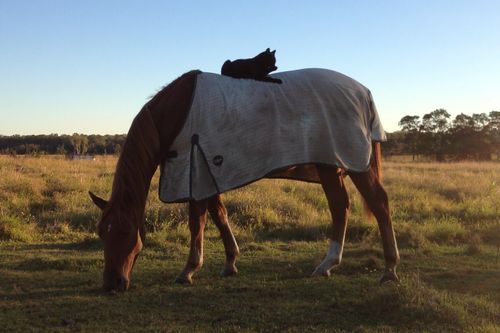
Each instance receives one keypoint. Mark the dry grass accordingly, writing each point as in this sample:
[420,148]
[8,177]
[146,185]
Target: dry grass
[446,216]
[46,197]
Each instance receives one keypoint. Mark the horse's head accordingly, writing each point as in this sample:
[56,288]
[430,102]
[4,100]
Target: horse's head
[122,243]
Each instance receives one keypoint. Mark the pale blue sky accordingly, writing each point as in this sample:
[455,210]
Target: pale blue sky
[88,66]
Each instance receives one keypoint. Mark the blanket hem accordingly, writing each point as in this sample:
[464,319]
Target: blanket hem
[266,176]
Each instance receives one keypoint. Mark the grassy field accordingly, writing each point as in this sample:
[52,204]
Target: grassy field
[447,220]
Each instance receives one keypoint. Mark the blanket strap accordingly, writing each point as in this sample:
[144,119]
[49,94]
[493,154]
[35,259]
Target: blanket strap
[195,142]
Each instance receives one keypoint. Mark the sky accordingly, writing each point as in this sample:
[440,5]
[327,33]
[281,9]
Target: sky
[89,66]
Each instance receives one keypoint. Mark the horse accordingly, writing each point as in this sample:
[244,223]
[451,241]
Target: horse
[148,145]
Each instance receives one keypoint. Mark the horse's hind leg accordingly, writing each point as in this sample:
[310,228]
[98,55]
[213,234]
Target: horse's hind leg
[338,202]
[376,198]
[197,221]
[218,212]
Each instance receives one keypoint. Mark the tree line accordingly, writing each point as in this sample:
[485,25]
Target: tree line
[434,136]
[78,144]
[439,137]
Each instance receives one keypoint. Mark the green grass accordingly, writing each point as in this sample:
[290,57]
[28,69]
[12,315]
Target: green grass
[446,216]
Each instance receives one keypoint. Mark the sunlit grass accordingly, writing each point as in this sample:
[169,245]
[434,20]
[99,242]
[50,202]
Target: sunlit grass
[442,201]
[446,217]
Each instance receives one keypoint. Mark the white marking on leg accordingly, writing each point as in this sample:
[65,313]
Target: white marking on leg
[333,257]
[395,255]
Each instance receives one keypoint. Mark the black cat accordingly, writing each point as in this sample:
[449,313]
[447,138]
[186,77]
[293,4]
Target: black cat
[256,68]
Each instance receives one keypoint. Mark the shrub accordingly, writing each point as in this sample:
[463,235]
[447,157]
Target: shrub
[447,231]
[473,244]
[12,228]
[410,236]
[358,231]
[490,233]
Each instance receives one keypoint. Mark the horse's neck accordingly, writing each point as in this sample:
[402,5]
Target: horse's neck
[137,164]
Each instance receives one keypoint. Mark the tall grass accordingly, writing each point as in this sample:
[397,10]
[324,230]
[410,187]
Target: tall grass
[444,203]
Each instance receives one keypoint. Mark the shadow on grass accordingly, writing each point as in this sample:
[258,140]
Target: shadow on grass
[43,264]
[310,232]
[80,290]
[465,280]
[87,244]
[273,292]
[291,233]
[270,294]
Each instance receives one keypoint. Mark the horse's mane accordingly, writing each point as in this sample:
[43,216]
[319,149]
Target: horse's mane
[135,166]
[138,160]
[164,91]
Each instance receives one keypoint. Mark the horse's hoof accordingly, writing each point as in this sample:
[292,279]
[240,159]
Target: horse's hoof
[389,276]
[321,272]
[185,281]
[229,272]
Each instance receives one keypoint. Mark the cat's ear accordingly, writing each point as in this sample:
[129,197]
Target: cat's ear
[268,50]
[273,52]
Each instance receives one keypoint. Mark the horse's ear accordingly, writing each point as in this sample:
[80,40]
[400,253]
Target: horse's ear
[100,202]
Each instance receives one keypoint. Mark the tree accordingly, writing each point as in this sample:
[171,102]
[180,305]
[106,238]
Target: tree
[480,121]
[481,140]
[494,121]
[463,122]
[493,132]
[434,125]
[462,136]
[84,144]
[61,150]
[80,143]
[410,126]
[75,142]
[436,121]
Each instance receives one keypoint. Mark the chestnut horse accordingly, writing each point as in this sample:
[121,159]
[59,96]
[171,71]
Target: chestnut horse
[152,132]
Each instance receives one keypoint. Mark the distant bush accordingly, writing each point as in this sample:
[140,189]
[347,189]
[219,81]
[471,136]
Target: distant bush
[12,228]
[80,144]
[490,233]
[473,244]
[447,231]
[410,236]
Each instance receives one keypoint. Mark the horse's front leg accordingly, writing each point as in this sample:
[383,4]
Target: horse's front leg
[338,202]
[218,212]
[197,221]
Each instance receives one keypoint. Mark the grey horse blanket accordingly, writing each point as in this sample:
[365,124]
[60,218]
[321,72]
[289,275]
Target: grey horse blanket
[238,131]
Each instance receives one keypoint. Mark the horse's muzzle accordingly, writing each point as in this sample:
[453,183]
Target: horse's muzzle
[115,282]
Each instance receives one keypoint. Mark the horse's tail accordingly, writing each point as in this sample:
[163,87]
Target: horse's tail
[376,160]
[375,168]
